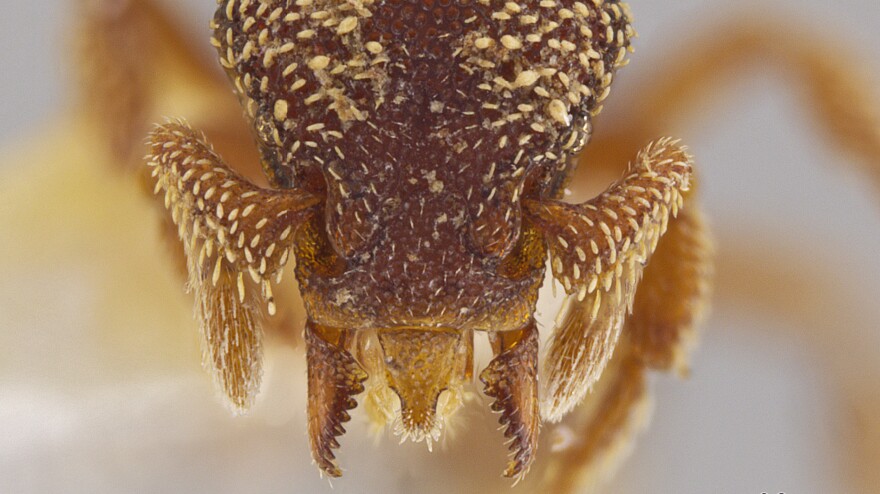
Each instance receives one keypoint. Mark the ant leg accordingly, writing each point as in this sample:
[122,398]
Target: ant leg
[675,284]
[594,438]
[829,77]
[130,54]
[591,441]
[136,64]
[137,53]
[672,298]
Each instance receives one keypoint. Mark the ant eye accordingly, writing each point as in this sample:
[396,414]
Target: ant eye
[495,220]
[351,223]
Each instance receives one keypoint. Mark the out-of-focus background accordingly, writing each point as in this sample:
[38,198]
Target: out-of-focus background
[783,395]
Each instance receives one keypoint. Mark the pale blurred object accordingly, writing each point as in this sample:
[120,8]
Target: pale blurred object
[101,388]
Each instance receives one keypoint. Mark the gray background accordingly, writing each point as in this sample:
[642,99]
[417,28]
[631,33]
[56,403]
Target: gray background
[760,412]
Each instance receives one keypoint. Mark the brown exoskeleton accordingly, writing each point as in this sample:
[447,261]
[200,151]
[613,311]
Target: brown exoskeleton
[137,54]
[416,152]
